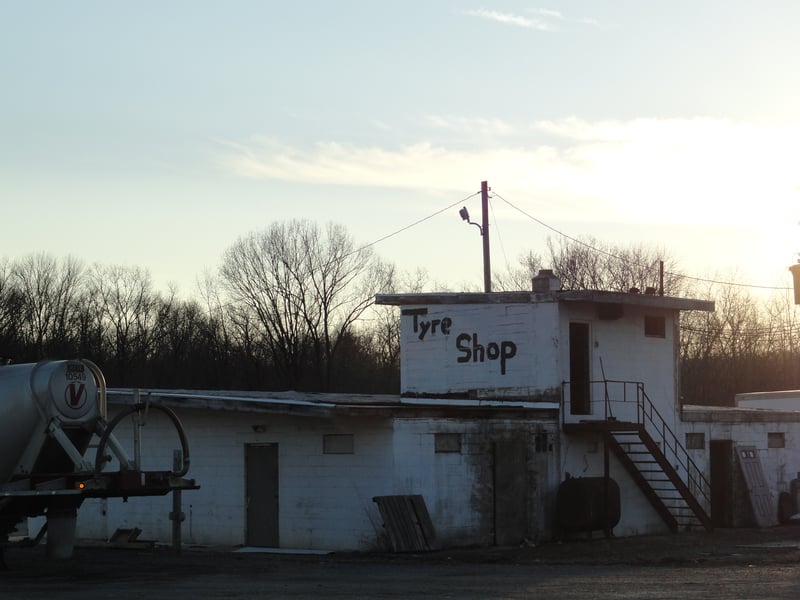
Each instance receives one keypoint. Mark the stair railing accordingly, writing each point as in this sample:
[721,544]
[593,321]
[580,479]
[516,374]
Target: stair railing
[623,395]
[652,421]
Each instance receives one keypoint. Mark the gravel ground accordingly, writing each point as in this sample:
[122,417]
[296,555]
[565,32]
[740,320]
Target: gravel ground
[744,563]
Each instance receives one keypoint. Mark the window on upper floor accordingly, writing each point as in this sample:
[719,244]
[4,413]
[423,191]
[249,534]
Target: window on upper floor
[655,326]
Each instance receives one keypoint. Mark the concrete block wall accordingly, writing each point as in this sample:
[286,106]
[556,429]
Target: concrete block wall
[458,486]
[480,347]
[325,499]
[583,456]
[780,465]
[627,355]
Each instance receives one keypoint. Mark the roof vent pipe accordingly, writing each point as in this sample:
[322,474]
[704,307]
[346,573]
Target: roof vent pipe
[546,281]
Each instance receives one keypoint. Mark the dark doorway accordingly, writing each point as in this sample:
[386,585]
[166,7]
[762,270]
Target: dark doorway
[721,455]
[261,471]
[510,492]
[579,394]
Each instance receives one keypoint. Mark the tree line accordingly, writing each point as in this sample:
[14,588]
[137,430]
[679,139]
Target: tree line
[291,307]
[286,311]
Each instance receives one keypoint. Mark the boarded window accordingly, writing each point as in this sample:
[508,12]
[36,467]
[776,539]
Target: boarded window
[776,439]
[337,443]
[695,441]
[447,442]
[655,326]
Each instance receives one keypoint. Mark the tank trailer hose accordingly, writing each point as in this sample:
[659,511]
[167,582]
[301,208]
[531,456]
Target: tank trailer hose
[100,459]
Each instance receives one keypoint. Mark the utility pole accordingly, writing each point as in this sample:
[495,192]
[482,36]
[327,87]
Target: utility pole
[487,268]
[484,227]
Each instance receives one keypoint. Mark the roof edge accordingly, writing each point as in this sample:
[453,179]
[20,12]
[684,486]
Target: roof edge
[590,296]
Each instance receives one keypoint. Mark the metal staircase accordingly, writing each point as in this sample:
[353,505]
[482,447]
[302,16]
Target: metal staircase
[651,454]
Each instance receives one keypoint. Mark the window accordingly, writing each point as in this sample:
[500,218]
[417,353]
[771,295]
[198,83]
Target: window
[541,443]
[776,439]
[337,443]
[695,441]
[655,326]
[447,442]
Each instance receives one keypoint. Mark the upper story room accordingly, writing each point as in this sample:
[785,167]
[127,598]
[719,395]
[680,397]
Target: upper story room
[532,345]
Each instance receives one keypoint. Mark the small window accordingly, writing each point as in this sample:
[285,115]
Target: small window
[447,442]
[695,441]
[337,443]
[655,326]
[776,439]
[541,442]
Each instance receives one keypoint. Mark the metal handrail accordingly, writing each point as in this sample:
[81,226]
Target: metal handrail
[648,417]
[695,479]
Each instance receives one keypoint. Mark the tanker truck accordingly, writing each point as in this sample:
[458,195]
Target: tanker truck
[51,414]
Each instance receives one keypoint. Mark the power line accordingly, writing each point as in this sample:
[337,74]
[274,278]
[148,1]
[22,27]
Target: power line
[725,330]
[499,237]
[600,251]
[414,224]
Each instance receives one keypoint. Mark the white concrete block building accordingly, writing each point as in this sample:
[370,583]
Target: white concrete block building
[301,471]
[522,416]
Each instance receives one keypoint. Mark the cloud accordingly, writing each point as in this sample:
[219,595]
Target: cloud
[544,12]
[510,19]
[544,19]
[471,126]
[640,170]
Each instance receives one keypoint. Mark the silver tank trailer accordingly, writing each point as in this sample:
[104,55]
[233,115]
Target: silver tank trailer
[49,412]
[33,396]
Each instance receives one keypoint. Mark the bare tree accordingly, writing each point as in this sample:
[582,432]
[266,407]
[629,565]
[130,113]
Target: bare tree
[126,309]
[729,350]
[519,278]
[591,265]
[306,286]
[781,343]
[48,289]
[10,311]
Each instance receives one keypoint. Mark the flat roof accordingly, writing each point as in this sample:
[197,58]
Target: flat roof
[737,414]
[327,405]
[590,296]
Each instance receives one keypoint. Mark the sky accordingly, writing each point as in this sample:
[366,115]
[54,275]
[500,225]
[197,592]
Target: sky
[154,134]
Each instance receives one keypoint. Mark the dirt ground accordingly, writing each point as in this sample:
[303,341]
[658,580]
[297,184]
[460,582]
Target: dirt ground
[743,563]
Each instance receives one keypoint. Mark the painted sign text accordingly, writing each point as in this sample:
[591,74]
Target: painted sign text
[471,350]
[422,327]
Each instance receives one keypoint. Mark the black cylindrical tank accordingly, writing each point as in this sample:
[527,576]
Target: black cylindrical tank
[584,504]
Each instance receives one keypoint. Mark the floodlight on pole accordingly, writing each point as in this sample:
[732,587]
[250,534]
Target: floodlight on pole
[484,229]
[464,213]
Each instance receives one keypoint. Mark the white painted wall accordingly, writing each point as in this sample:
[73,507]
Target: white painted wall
[627,355]
[443,360]
[582,456]
[620,351]
[458,487]
[326,499]
[780,465]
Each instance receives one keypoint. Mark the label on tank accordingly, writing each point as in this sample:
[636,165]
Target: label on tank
[75,395]
[73,389]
